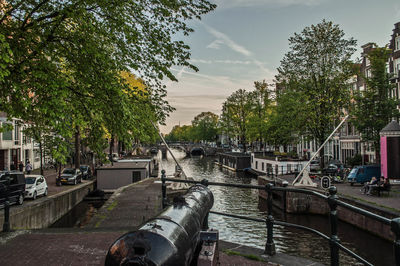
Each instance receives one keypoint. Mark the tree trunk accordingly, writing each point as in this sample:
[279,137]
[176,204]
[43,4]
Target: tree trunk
[322,157]
[111,149]
[41,157]
[77,148]
[377,152]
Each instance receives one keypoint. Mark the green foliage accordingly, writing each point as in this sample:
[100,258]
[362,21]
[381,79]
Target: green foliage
[235,113]
[180,133]
[260,104]
[355,160]
[205,126]
[288,117]
[374,108]
[319,64]
[60,65]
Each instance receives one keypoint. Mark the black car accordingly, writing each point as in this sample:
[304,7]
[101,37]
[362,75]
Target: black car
[334,170]
[86,171]
[71,176]
[12,184]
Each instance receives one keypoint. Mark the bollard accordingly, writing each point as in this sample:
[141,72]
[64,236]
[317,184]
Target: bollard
[332,201]
[163,189]
[270,245]
[171,238]
[6,224]
[395,226]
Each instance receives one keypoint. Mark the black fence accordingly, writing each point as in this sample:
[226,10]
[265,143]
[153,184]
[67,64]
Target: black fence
[332,200]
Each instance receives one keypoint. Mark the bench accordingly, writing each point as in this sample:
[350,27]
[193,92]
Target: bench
[379,189]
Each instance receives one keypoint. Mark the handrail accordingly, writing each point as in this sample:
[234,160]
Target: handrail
[305,228]
[332,200]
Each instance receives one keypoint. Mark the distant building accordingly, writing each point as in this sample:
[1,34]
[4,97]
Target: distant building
[394,60]
[15,146]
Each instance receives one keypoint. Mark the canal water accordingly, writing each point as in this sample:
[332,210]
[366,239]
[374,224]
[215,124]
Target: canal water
[290,241]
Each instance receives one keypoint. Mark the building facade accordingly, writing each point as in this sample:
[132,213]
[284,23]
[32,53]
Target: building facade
[16,147]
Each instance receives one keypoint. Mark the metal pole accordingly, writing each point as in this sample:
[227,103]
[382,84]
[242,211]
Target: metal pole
[395,226]
[163,189]
[332,201]
[270,245]
[316,153]
[166,145]
[6,224]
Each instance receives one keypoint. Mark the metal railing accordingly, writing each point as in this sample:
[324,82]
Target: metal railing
[332,200]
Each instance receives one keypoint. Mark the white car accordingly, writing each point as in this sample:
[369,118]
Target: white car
[35,186]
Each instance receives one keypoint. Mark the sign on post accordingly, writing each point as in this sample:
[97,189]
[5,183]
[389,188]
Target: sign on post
[325,182]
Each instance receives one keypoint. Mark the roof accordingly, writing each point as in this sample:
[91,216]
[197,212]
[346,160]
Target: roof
[126,165]
[391,127]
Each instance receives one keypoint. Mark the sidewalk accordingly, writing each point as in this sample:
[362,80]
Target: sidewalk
[389,202]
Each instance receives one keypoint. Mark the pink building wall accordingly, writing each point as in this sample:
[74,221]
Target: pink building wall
[384,162]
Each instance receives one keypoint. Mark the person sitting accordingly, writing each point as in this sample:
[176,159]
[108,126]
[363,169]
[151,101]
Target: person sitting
[377,186]
[384,185]
[367,185]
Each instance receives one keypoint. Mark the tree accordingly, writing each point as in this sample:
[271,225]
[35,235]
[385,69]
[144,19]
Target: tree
[319,63]
[205,126]
[180,133]
[260,103]
[65,58]
[235,113]
[287,118]
[373,107]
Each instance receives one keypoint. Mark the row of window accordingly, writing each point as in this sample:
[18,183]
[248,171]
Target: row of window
[16,133]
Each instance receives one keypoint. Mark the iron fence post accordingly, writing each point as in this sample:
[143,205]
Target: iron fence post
[332,201]
[395,226]
[163,189]
[270,245]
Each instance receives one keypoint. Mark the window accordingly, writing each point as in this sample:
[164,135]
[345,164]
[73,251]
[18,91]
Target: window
[16,133]
[256,164]
[397,43]
[135,176]
[262,166]
[396,65]
[367,62]
[7,135]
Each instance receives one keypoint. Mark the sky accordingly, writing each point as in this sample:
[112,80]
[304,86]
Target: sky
[243,41]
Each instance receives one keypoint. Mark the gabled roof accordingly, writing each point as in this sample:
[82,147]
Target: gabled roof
[391,127]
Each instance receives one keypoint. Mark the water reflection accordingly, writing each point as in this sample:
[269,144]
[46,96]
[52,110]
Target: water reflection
[287,240]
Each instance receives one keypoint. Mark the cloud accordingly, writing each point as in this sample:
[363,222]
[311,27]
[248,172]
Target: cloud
[215,44]
[222,38]
[268,3]
[231,62]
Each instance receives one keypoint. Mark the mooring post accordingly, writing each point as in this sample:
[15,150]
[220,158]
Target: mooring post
[6,224]
[395,226]
[163,189]
[332,201]
[270,245]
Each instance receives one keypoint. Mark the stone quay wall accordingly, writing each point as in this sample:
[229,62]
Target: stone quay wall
[301,203]
[44,212]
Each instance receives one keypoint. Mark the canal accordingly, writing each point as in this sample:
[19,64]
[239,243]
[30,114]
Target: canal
[290,241]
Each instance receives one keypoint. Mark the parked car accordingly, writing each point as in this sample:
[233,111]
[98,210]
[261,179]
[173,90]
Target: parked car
[86,171]
[334,169]
[12,184]
[364,173]
[36,185]
[71,176]
[314,166]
